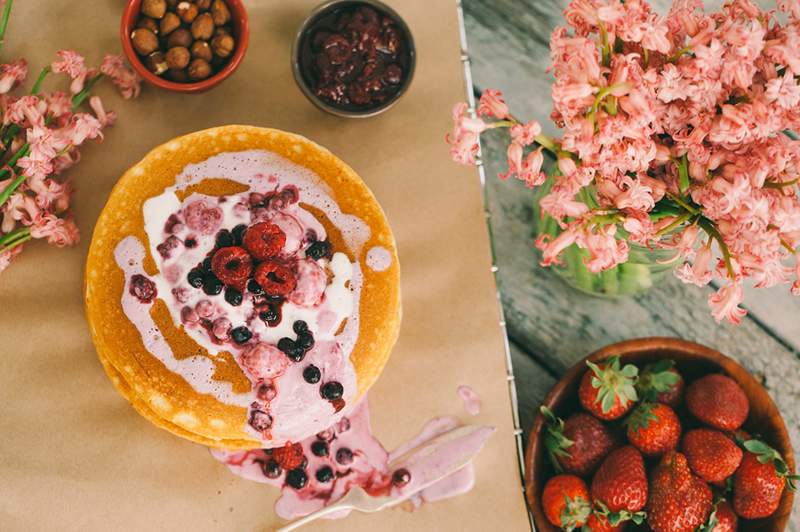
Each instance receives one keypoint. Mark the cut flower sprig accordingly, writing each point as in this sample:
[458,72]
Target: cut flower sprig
[672,138]
[40,137]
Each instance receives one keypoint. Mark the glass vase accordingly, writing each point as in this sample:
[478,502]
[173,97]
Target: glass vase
[644,269]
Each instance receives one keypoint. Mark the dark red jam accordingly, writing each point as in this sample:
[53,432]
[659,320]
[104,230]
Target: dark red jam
[355,57]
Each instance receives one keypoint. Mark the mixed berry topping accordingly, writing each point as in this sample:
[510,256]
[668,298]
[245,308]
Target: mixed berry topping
[401,477]
[275,278]
[259,420]
[320,448]
[296,349]
[290,456]
[241,335]
[232,265]
[319,249]
[332,390]
[142,289]
[312,374]
[324,474]
[297,478]
[271,468]
[344,456]
[264,240]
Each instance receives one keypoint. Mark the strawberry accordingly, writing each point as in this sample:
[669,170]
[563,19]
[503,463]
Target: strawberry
[621,483]
[660,382]
[758,483]
[565,501]
[290,456]
[712,455]
[232,265]
[599,523]
[607,390]
[275,278]
[579,444]
[264,240]
[603,520]
[721,519]
[679,500]
[718,401]
[653,428]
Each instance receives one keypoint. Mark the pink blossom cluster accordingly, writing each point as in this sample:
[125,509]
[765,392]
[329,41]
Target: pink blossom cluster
[673,137]
[41,135]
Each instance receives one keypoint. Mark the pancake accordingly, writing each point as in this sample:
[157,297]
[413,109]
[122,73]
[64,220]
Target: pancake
[242,287]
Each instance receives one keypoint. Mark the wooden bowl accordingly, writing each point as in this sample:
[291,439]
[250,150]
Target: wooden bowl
[693,361]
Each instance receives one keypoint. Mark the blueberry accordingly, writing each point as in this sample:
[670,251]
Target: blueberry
[195,278]
[207,264]
[296,478]
[238,234]
[224,239]
[241,334]
[233,296]
[286,345]
[319,448]
[344,456]
[305,341]
[318,249]
[271,469]
[268,315]
[190,243]
[324,474]
[297,354]
[254,288]
[401,477]
[211,285]
[332,390]
[300,327]
[311,374]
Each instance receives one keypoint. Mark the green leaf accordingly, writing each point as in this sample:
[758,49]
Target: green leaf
[608,402]
[683,174]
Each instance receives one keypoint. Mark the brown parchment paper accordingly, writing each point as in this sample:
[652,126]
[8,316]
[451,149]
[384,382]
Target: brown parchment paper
[75,456]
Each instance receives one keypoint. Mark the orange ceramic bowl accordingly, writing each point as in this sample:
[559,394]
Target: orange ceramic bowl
[241,31]
[693,361]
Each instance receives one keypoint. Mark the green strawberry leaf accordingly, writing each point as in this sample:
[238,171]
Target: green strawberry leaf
[766,454]
[555,443]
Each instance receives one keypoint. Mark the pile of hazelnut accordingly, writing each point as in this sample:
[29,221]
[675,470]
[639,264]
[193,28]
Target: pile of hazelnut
[184,40]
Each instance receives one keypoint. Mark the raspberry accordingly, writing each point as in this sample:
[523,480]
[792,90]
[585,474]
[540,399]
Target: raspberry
[290,456]
[143,289]
[232,265]
[264,240]
[275,278]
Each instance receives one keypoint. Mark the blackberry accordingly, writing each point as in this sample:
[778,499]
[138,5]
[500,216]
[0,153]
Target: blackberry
[305,341]
[233,296]
[211,285]
[300,327]
[241,334]
[296,478]
[332,390]
[195,278]
[206,264]
[271,469]
[312,374]
[318,249]
[319,448]
[268,315]
[238,234]
[324,474]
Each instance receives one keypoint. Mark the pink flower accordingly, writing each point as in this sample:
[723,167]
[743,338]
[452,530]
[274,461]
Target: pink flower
[637,195]
[525,134]
[106,118]
[699,273]
[35,167]
[560,203]
[532,169]
[84,126]
[514,157]
[605,250]
[11,74]
[19,208]
[60,232]
[25,111]
[796,284]
[492,104]
[59,104]
[784,90]
[790,6]
[725,303]
[72,64]
[53,196]
[552,247]
[123,77]
[465,136]
[7,256]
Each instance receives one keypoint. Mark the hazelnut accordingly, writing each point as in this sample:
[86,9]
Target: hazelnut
[178,76]
[148,23]
[177,57]
[155,63]
[179,37]
[201,50]
[222,30]
[154,8]
[203,27]
[144,41]
[199,69]
[223,45]
[203,5]
[220,12]
[169,23]
[187,11]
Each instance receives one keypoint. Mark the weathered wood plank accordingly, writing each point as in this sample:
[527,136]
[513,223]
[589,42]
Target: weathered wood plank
[508,45]
[548,318]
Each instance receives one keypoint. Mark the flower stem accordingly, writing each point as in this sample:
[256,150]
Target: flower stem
[547,143]
[37,86]
[10,189]
[605,50]
[676,223]
[679,53]
[79,98]
[780,186]
[4,20]
[788,246]
[709,227]
[14,235]
[683,204]
[15,243]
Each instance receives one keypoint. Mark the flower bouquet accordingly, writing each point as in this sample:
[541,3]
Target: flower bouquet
[676,151]
[39,139]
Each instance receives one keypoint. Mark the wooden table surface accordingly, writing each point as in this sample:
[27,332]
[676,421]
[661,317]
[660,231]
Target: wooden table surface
[550,325]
